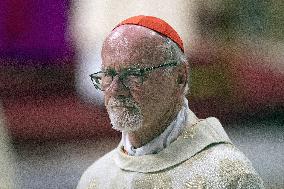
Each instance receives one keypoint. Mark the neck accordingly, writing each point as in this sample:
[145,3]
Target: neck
[153,128]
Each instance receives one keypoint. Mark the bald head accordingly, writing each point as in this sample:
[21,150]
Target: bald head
[135,45]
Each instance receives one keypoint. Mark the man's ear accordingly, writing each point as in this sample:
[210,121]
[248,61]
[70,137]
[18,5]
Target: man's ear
[180,79]
[183,74]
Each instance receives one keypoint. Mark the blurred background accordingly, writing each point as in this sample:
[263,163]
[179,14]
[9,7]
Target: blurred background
[53,123]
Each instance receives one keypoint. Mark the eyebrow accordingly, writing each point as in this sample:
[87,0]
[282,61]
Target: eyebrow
[146,69]
[122,69]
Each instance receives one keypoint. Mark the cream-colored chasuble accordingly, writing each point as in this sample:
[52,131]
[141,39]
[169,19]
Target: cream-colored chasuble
[201,157]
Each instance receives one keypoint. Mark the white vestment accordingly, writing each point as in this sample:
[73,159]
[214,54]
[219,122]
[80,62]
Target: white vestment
[202,156]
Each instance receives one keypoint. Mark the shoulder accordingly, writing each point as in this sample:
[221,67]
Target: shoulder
[236,169]
[230,166]
[99,169]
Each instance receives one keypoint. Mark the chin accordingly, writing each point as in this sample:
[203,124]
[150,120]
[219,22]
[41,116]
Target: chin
[125,121]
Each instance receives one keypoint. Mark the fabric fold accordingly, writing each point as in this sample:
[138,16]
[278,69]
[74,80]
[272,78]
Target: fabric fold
[193,139]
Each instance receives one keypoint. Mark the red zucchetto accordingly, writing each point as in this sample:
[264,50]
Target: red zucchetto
[155,24]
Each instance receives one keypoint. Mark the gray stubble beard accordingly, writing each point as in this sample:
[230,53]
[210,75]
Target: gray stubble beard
[123,118]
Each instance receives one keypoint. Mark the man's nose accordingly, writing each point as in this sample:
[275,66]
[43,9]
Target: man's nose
[117,88]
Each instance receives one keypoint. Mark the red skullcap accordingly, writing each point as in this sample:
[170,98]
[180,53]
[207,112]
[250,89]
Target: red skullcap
[155,24]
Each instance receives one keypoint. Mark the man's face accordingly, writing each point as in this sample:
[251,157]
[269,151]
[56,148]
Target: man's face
[130,108]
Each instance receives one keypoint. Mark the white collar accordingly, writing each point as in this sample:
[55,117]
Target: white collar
[163,140]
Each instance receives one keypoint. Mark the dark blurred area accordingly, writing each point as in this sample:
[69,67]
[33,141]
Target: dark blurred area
[236,62]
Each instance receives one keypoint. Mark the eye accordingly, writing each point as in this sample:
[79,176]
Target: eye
[106,81]
[110,72]
[107,78]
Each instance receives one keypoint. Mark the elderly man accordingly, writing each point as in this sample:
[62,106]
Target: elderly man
[164,145]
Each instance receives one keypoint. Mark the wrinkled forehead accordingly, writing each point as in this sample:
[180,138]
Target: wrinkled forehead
[132,45]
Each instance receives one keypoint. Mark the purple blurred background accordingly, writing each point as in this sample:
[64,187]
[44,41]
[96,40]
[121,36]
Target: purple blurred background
[35,30]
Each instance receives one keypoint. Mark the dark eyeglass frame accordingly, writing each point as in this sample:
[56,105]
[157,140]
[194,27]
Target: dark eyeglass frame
[124,73]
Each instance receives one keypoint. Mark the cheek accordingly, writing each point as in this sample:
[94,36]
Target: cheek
[151,97]
[155,93]
[146,93]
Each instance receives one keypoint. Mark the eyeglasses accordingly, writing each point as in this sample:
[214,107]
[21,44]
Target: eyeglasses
[130,77]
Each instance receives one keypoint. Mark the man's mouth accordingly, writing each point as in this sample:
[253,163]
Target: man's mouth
[115,104]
